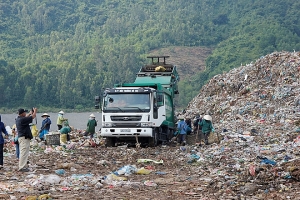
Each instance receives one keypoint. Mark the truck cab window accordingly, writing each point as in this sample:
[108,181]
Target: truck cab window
[160,99]
[129,102]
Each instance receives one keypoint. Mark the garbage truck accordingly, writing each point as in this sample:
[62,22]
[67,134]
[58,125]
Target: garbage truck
[142,111]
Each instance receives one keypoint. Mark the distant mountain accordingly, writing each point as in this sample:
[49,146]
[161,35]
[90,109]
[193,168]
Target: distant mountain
[63,53]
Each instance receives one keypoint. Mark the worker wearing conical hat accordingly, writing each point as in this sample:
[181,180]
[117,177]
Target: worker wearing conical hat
[91,126]
[45,126]
[207,127]
[60,119]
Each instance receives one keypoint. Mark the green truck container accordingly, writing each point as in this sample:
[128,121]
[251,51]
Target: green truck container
[142,111]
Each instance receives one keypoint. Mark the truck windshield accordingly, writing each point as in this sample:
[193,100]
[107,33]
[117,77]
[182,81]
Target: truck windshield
[122,102]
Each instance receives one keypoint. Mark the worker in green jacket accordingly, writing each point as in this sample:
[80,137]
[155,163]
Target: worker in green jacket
[207,127]
[92,123]
[66,129]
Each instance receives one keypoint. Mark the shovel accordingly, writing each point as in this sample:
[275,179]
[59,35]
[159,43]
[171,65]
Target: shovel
[197,136]
[137,144]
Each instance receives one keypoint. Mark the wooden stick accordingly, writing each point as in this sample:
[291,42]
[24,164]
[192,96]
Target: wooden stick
[197,136]
[137,145]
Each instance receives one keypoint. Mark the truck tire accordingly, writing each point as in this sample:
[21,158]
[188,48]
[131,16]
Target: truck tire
[110,142]
[153,141]
[170,134]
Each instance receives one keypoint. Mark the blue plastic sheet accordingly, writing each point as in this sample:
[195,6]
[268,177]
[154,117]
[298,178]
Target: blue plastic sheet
[267,161]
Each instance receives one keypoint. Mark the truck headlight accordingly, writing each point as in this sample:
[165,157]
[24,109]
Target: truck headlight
[146,124]
[106,124]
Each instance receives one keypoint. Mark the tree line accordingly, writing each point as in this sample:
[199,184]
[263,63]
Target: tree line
[61,53]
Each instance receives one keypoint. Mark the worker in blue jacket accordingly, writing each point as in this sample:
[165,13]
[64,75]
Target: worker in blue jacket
[2,130]
[182,130]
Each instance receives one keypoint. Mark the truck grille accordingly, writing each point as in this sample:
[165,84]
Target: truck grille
[129,125]
[126,118]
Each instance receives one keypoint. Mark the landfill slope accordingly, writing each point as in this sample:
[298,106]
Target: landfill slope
[264,95]
[256,115]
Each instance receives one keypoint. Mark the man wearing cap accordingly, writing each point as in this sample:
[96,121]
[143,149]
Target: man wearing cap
[60,119]
[45,126]
[207,127]
[182,129]
[24,135]
[92,123]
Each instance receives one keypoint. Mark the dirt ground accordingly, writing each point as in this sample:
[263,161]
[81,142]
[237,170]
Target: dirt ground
[175,172]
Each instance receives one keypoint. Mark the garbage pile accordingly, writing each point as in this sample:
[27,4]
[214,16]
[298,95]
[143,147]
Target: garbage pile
[256,110]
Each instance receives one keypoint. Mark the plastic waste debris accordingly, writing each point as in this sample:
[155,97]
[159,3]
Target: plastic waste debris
[126,170]
[182,148]
[60,171]
[287,158]
[48,150]
[65,183]
[149,160]
[113,177]
[150,183]
[72,145]
[267,161]
[150,167]
[65,165]
[143,171]
[9,130]
[65,188]
[73,169]
[98,185]
[81,176]
[193,158]
[252,170]
[44,197]
[160,173]
[103,162]
[52,179]
[31,198]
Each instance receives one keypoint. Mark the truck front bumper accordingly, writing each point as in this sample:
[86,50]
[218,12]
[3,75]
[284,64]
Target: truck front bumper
[126,132]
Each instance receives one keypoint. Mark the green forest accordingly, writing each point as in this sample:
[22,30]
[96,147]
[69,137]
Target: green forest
[61,53]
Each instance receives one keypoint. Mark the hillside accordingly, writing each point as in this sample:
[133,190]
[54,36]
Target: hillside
[189,60]
[71,50]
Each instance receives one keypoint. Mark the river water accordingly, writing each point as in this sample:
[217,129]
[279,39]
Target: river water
[77,120]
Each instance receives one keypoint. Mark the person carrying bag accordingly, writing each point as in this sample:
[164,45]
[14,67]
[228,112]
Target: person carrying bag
[34,130]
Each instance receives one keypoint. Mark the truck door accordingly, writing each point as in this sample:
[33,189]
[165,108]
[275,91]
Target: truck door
[159,114]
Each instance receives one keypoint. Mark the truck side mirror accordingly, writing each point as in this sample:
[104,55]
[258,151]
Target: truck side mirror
[104,94]
[97,102]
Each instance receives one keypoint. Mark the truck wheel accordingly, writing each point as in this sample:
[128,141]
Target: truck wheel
[110,142]
[153,140]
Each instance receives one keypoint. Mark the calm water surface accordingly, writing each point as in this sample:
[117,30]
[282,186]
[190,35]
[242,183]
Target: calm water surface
[77,120]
